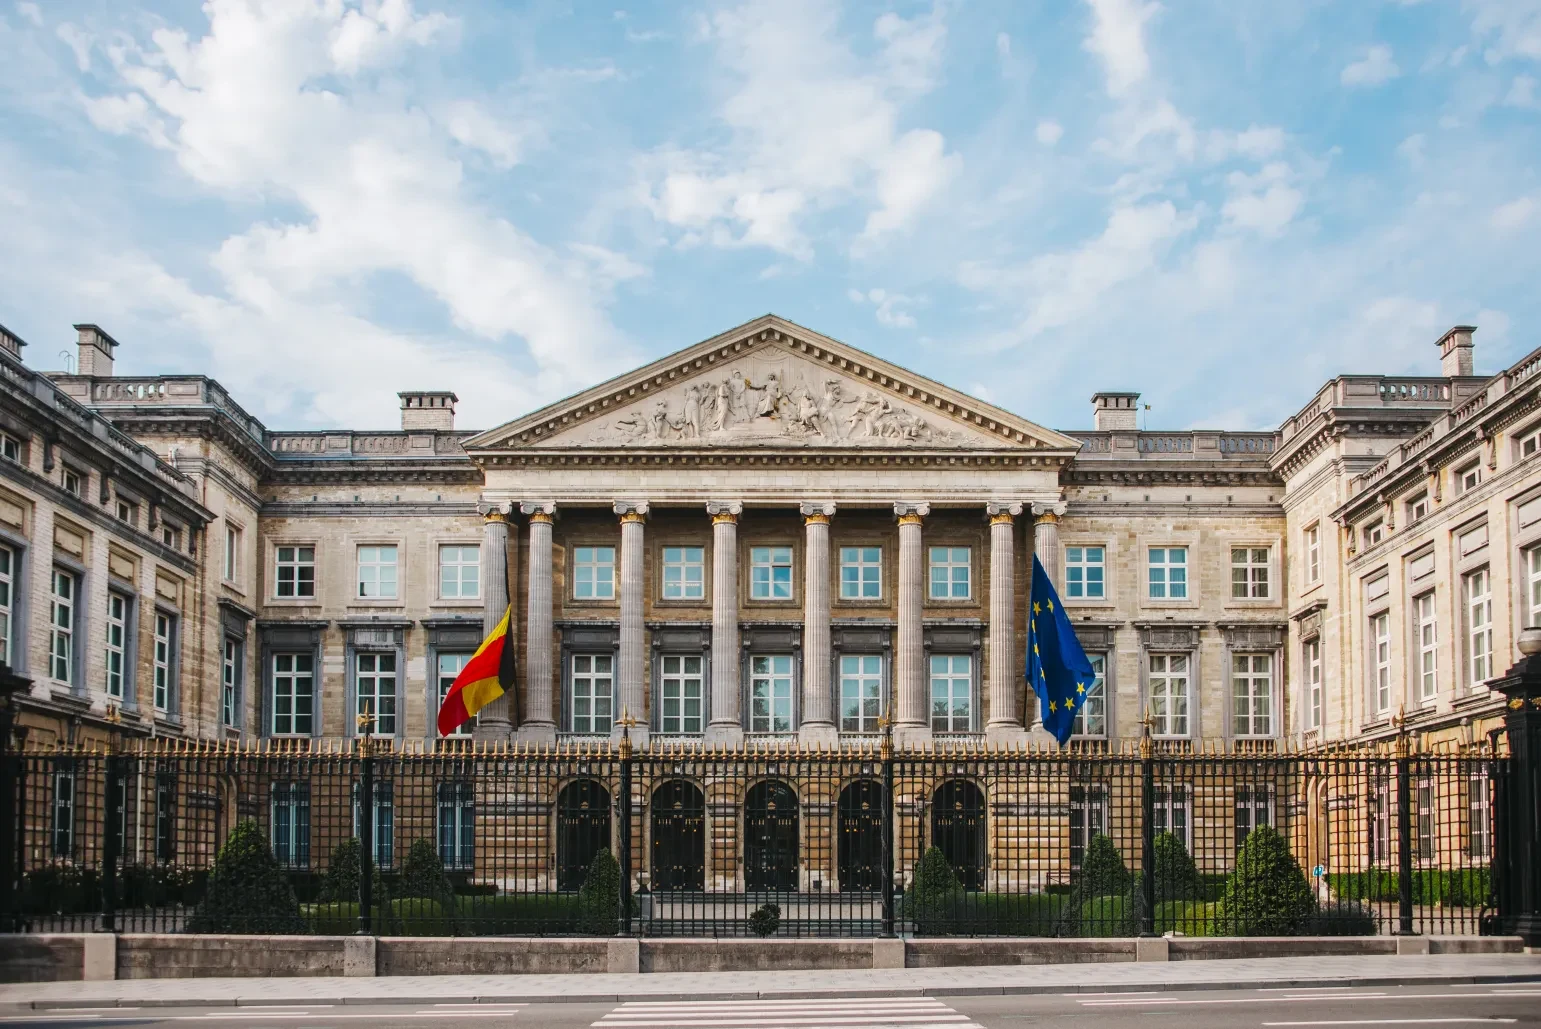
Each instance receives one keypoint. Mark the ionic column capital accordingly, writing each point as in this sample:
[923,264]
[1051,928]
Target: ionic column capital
[1003,512]
[1049,512]
[493,512]
[631,510]
[816,512]
[724,511]
[539,510]
[910,512]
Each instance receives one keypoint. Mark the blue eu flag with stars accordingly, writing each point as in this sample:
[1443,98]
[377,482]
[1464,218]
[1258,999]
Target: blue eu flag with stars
[1057,667]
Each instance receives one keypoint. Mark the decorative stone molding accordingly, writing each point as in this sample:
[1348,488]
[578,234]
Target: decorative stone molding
[911,512]
[1002,511]
[539,510]
[1254,635]
[724,511]
[493,512]
[1051,512]
[631,510]
[1168,635]
[1097,635]
[817,510]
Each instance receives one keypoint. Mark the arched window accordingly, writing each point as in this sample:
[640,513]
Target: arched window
[770,837]
[582,830]
[958,829]
[861,836]
[679,837]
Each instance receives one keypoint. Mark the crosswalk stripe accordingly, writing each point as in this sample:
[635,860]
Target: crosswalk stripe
[809,1013]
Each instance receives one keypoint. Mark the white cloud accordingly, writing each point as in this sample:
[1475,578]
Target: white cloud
[1003,45]
[471,125]
[1522,92]
[1049,132]
[78,42]
[376,32]
[1514,27]
[1118,40]
[1412,149]
[1265,203]
[1514,214]
[887,307]
[1376,68]
[1260,141]
[31,12]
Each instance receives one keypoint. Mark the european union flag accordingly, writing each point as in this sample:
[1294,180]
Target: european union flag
[1057,667]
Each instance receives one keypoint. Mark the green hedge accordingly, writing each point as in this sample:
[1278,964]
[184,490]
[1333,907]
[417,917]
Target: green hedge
[987,914]
[1462,887]
[247,891]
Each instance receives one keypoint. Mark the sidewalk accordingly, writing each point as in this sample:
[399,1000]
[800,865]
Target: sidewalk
[1015,979]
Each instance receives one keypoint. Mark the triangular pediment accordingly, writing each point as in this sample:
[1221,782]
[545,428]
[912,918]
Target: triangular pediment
[771,384]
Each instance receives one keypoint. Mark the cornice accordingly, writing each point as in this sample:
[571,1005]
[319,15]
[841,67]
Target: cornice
[1217,474]
[1098,509]
[369,509]
[327,471]
[725,457]
[208,423]
[195,515]
[1348,423]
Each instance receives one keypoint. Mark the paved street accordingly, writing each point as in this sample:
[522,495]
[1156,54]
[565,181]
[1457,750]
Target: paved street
[1274,1008]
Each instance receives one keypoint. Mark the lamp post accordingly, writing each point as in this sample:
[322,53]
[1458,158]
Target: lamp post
[1519,853]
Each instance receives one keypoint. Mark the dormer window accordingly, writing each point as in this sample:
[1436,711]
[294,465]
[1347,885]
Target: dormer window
[1374,533]
[1468,478]
[1418,508]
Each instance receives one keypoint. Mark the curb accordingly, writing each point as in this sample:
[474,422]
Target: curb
[933,991]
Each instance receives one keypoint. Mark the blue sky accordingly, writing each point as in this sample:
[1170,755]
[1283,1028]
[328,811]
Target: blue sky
[1219,203]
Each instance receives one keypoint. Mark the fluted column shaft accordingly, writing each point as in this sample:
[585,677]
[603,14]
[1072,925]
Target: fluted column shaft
[1046,539]
[818,698]
[1003,567]
[539,682]
[726,721]
[495,721]
[629,700]
[909,656]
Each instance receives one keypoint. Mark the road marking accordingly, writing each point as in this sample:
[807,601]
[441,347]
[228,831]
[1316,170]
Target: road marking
[1401,1021]
[810,1013]
[1333,997]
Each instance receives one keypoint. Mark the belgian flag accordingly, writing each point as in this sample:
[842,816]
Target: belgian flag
[486,677]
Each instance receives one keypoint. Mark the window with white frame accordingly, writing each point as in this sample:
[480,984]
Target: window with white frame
[1426,626]
[375,691]
[295,569]
[10,448]
[1418,508]
[457,824]
[680,710]
[1374,533]
[450,666]
[1477,589]
[117,644]
[1169,694]
[1533,586]
[163,660]
[952,692]
[294,694]
[460,571]
[1528,441]
[127,511]
[1252,694]
[166,816]
[377,572]
[593,693]
[1254,807]
[290,806]
[171,536]
[1091,715]
[1086,572]
[684,573]
[61,622]
[1314,554]
[233,555]
[861,692]
[1249,573]
[230,684]
[1172,807]
[594,573]
[770,573]
[64,809]
[1167,571]
[1380,639]
[1088,818]
[8,575]
[1468,478]
[950,573]
[1379,817]
[384,819]
[72,480]
[1311,654]
[1424,820]
[1479,824]
[861,573]
[770,693]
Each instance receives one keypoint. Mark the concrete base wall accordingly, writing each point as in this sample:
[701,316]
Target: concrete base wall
[158,956]
[951,953]
[39,958]
[438,955]
[753,955]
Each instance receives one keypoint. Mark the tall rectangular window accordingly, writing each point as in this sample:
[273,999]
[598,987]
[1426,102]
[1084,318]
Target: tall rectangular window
[1088,818]
[1427,626]
[1091,715]
[450,666]
[164,660]
[376,691]
[1085,572]
[61,631]
[861,692]
[385,822]
[1533,585]
[681,711]
[296,572]
[165,816]
[950,567]
[861,573]
[684,573]
[377,572]
[294,694]
[233,554]
[1254,807]
[1311,651]
[770,693]
[593,692]
[1314,554]
[117,643]
[1169,694]
[770,573]
[457,824]
[1173,810]
[1252,694]
[1479,818]
[1380,824]
[230,684]
[8,572]
[952,693]
[1380,639]
[1479,626]
[1168,573]
[460,572]
[291,823]
[1249,573]
[64,810]
[1423,826]
[594,573]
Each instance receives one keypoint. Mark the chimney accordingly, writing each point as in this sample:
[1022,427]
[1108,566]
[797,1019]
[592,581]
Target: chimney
[1455,349]
[11,343]
[1115,411]
[428,410]
[96,349]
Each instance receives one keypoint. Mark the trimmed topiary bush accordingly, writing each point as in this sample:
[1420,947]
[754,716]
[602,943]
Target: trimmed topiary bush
[423,885]
[765,920]
[934,894]
[341,882]
[1102,869]
[1101,901]
[247,892]
[599,898]
[1177,878]
[1267,894]
[1344,918]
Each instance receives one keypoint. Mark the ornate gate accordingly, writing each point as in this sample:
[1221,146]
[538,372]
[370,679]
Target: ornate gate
[679,836]
[861,837]
[582,830]
[770,837]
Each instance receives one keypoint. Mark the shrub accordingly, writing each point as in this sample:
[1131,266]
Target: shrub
[1177,878]
[1099,917]
[519,914]
[1343,918]
[1100,903]
[1102,868]
[765,920]
[1189,917]
[341,882]
[247,892]
[1267,894]
[934,894]
[422,875]
[599,898]
[414,916]
[61,889]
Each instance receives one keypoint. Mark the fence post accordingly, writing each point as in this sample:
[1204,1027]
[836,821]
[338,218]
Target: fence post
[1519,815]
[623,804]
[366,826]
[110,856]
[1147,834]
[888,830]
[11,833]
[1404,839]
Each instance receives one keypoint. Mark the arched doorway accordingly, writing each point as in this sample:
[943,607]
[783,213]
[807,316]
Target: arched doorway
[958,830]
[679,837]
[860,847]
[582,830]
[770,837]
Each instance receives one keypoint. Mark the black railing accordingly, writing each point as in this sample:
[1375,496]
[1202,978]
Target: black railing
[774,840]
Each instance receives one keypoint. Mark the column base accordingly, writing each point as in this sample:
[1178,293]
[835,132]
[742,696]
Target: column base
[908,736]
[499,731]
[818,734]
[725,735]
[639,736]
[1007,733]
[542,733]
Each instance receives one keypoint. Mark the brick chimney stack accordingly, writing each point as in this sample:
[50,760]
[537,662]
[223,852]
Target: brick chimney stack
[95,351]
[1115,411]
[1455,351]
[428,410]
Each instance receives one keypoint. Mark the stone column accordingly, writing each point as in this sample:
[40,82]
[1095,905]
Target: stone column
[629,697]
[913,722]
[495,721]
[1005,720]
[538,726]
[726,724]
[818,721]
[1046,538]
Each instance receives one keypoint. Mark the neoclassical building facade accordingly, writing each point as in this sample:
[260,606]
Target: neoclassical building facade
[767,535]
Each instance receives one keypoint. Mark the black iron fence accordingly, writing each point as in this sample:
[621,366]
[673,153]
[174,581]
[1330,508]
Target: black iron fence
[771,840]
